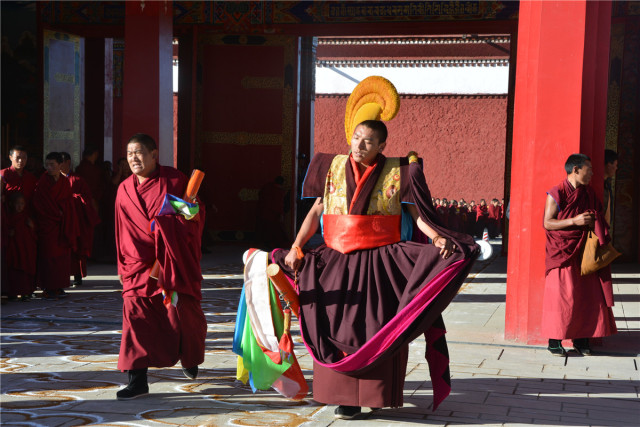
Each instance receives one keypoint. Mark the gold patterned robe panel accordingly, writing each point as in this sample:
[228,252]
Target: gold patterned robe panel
[384,200]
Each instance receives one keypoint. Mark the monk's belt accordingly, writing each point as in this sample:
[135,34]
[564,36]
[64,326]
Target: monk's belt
[348,233]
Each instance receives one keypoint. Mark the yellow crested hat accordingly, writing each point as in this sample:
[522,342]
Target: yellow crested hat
[375,98]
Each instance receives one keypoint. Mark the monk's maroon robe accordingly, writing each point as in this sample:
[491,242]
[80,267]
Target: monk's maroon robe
[455,220]
[21,250]
[86,219]
[493,220]
[575,306]
[482,213]
[12,182]
[56,229]
[345,299]
[443,215]
[152,334]
[471,220]
[94,177]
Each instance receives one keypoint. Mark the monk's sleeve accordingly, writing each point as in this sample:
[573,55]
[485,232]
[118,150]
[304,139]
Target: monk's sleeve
[178,248]
[406,195]
[315,180]
[422,198]
[118,228]
[90,215]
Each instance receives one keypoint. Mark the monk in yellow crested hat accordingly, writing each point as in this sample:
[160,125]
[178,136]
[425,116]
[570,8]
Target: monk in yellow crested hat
[376,283]
[374,98]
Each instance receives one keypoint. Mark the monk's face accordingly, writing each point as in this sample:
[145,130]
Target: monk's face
[52,167]
[584,174]
[610,169]
[365,145]
[141,161]
[65,167]
[18,159]
[19,204]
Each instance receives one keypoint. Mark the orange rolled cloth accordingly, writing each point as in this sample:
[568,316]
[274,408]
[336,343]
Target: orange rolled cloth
[283,286]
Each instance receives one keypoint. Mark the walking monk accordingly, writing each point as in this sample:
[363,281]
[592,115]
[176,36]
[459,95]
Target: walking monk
[157,331]
[86,219]
[20,250]
[15,179]
[575,307]
[57,229]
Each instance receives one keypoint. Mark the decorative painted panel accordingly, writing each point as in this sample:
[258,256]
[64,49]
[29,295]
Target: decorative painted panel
[253,16]
[63,93]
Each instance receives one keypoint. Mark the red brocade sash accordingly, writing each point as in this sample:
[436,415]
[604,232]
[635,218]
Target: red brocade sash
[374,231]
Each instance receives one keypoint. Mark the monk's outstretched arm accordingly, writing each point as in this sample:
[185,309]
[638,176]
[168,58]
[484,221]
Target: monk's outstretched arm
[307,230]
[446,246]
[551,221]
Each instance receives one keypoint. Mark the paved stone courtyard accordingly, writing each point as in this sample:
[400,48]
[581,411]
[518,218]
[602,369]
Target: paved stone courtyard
[59,365]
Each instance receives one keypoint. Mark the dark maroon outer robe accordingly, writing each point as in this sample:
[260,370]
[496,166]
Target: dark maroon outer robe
[443,215]
[57,231]
[86,219]
[455,219]
[21,250]
[152,334]
[12,182]
[345,299]
[494,220]
[93,176]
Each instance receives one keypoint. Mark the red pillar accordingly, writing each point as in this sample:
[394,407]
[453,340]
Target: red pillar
[560,109]
[148,81]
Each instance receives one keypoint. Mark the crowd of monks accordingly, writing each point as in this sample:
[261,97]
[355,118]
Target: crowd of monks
[50,216]
[472,218]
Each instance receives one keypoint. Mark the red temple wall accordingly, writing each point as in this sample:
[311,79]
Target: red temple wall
[461,139]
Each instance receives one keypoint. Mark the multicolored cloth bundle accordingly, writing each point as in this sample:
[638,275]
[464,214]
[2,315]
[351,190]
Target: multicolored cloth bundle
[174,205]
[262,339]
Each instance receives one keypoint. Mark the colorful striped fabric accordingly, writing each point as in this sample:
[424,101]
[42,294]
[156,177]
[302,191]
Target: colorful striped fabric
[261,338]
[174,205]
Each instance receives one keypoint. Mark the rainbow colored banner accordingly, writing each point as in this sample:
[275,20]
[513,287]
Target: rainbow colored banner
[174,205]
[261,338]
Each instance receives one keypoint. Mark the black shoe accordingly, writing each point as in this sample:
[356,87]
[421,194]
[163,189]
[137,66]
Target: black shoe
[49,295]
[62,294]
[77,281]
[191,373]
[347,412]
[137,387]
[129,393]
[581,345]
[555,347]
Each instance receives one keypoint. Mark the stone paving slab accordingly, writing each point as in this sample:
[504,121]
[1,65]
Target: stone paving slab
[58,365]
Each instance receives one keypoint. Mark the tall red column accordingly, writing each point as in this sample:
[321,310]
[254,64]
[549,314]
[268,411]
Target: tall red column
[560,109]
[148,79]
